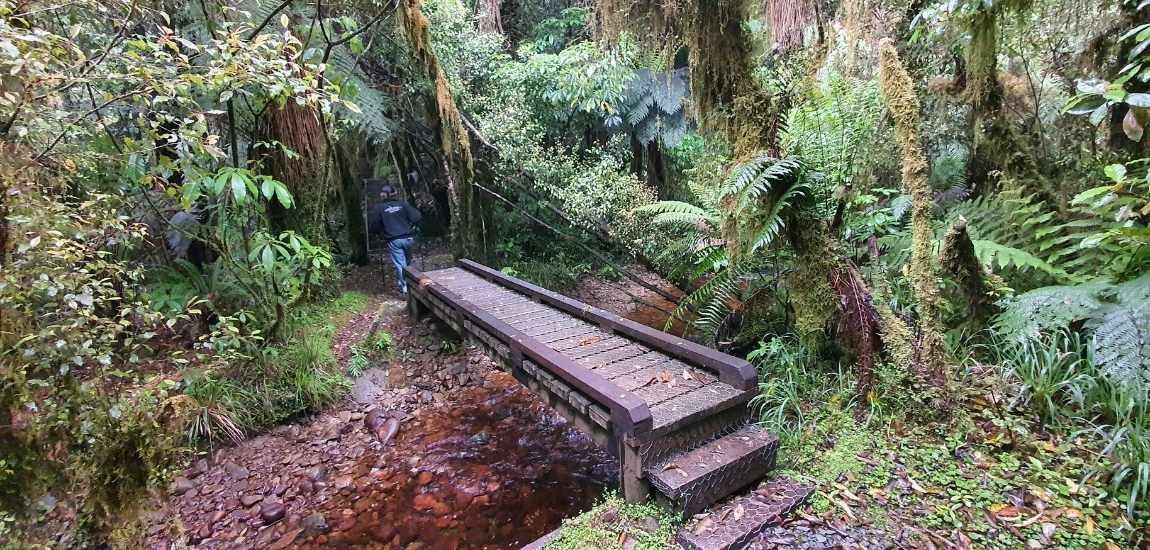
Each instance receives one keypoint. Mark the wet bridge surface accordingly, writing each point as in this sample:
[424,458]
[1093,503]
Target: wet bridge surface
[672,411]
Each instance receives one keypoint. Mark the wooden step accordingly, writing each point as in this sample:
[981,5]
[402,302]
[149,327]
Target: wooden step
[738,521]
[695,479]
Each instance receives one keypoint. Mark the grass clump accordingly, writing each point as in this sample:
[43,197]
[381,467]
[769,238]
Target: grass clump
[615,524]
[280,382]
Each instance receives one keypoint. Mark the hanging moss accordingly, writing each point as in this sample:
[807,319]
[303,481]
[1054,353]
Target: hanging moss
[982,86]
[454,143]
[901,99]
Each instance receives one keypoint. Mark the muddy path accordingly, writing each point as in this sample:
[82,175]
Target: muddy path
[476,461]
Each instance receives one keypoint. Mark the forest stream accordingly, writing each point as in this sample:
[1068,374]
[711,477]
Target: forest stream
[456,455]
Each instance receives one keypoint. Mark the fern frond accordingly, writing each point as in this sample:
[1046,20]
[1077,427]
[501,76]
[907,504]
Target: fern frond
[774,223]
[1041,310]
[1001,256]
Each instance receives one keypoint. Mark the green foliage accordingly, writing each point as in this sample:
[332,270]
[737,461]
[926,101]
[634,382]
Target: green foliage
[271,385]
[654,107]
[582,78]
[1117,317]
[789,375]
[1118,212]
[553,33]
[1051,372]
[384,342]
[1029,243]
[616,524]
[1061,380]
[756,198]
[130,450]
[1098,98]
[257,271]
[560,272]
[358,363]
[833,130]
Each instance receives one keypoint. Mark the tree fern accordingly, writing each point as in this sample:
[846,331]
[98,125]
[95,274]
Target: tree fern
[653,106]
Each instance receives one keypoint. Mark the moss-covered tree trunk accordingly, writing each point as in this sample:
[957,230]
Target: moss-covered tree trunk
[657,170]
[901,99]
[454,143]
[303,167]
[957,258]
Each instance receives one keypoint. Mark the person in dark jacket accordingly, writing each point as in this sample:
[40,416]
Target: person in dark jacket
[396,219]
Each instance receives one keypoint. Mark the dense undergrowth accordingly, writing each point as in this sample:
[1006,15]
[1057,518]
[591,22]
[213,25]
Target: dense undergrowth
[926,222]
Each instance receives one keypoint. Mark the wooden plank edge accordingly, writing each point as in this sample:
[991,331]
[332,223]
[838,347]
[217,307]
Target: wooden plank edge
[630,414]
[731,370]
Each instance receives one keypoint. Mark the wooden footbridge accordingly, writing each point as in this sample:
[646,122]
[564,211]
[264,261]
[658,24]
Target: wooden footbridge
[674,413]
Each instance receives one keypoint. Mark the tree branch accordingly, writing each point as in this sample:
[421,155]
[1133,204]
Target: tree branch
[348,37]
[95,109]
[259,28]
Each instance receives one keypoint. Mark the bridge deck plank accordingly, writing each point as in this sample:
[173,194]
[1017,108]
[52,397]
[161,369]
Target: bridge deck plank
[676,392]
[543,322]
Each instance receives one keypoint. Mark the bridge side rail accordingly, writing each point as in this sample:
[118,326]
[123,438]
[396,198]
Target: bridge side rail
[630,415]
[730,370]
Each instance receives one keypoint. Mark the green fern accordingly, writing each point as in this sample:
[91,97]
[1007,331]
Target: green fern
[701,252]
[1116,315]
[834,128]
[994,254]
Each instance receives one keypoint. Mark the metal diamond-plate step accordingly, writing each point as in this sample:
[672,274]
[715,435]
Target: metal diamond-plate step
[736,523]
[695,479]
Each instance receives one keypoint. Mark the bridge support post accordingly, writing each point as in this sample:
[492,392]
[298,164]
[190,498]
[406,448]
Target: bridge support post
[414,309]
[635,488]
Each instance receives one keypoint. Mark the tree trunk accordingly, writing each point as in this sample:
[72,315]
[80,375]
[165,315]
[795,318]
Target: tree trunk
[352,204]
[657,170]
[957,257]
[901,99]
[454,141]
[637,152]
[304,171]
[490,19]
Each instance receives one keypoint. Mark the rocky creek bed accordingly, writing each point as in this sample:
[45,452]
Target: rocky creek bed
[434,449]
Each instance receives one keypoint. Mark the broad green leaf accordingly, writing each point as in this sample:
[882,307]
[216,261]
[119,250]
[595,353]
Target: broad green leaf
[283,195]
[1138,99]
[268,258]
[1092,87]
[1099,114]
[1116,172]
[217,185]
[239,187]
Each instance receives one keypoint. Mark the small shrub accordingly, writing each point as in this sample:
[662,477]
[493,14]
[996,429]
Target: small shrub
[790,380]
[358,362]
[384,342]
